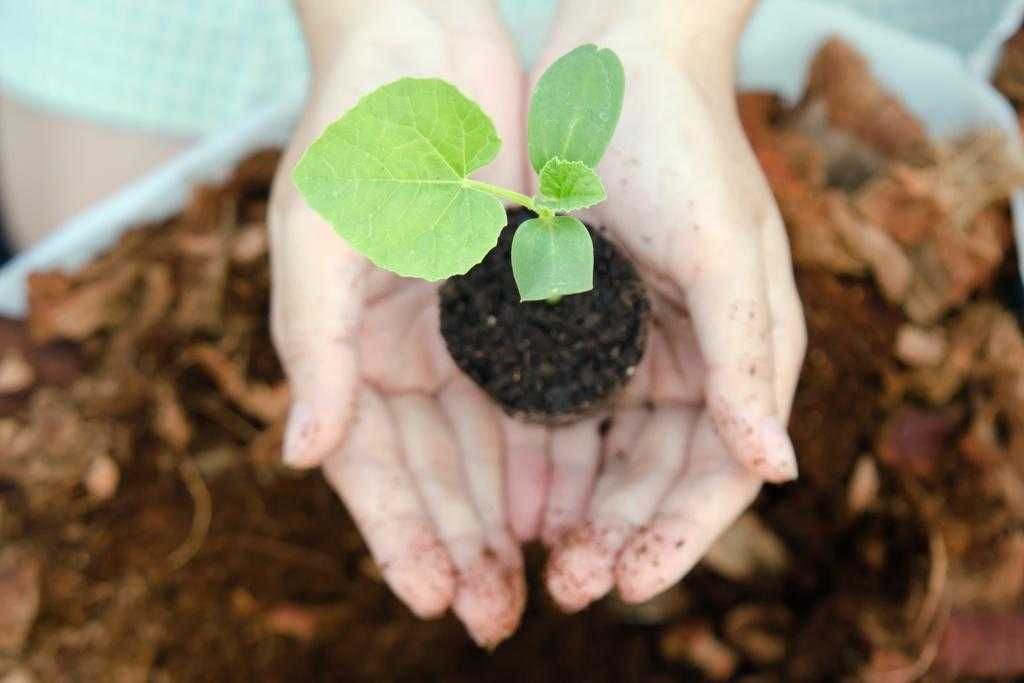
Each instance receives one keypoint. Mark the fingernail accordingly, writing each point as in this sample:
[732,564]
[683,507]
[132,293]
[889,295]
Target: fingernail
[779,449]
[299,435]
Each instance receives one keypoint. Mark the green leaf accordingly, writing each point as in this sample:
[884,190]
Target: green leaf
[569,185]
[552,258]
[391,177]
[575,107]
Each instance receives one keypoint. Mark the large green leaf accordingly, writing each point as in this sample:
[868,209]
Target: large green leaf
[390,176]
[575,107]
[552,258]
[569,185]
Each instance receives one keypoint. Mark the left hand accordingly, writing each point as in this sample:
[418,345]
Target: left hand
[702,423]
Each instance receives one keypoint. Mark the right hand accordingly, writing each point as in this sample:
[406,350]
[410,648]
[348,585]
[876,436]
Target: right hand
[702,423]
[412,447]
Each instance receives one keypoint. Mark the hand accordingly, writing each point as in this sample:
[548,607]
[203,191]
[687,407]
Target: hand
[411,446]
[702,423]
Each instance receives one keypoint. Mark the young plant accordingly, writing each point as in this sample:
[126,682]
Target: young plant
[393,176]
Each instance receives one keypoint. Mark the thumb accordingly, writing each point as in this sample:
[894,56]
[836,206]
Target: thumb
[316,305]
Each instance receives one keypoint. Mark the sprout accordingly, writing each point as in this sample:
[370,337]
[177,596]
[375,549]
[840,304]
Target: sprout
[392,176]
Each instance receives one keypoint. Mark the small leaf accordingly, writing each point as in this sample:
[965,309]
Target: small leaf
[552,258]
[390,177]
[569,185]
[575,107]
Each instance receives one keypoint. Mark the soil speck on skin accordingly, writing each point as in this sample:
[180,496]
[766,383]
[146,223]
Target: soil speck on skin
[546,362]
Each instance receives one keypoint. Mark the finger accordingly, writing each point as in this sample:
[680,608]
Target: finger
[527,476]
[727,298]
[575,451]
[478,431]
[316,305]
[477,428]
[581,569]
[380,495]
[789,331]
[712,492]
[487,598]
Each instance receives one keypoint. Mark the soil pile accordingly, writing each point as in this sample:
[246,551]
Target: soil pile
[540,361]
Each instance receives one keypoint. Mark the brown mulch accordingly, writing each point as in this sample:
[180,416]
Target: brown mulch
[148,531]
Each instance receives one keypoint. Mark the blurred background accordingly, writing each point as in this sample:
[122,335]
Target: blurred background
[149,532]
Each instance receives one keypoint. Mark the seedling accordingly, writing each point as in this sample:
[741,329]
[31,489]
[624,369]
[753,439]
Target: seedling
[392,176]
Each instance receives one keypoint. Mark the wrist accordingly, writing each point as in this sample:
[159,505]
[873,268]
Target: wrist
[327,24]
[701,36]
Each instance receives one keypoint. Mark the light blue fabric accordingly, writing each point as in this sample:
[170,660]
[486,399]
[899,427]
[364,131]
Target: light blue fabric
[528,22]
[182,67]
[190,67]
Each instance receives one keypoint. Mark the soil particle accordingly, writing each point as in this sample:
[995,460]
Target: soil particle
[19,597]
[546,362]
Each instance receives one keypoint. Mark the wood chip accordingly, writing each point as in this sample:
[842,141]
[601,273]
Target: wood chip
[915,441]
[19,597]
[921,347]
[696,644]
[747,548]
[16,373]
[857,103]
[58,312]
[983,644]
[170,422]
[862,489]
[268,403]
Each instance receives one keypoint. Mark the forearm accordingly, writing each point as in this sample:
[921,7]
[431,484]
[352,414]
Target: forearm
[326,23]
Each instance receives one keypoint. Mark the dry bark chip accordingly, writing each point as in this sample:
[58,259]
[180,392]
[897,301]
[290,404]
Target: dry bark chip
[19,597]
[747,548]
[265,402]
[696,643]
[59,310]
[857,103]
[915,441]
[16,373]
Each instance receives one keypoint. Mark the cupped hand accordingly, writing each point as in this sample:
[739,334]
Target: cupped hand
[702,424]
[412,447]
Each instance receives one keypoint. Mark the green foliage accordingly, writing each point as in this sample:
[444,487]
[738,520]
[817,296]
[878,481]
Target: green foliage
[392,176]
[552,258]
[569,186]
[575,107]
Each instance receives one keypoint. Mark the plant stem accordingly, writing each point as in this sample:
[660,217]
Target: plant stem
[543,212]
[501,193]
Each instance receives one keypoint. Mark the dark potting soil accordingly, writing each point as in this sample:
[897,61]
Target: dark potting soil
[546,362]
